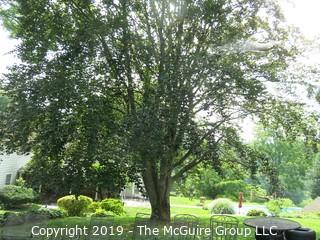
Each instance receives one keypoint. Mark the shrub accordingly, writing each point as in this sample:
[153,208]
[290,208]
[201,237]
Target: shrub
[115,206]
[221,206]
[276,205]
[50,212]
[13,196]
[257,194]
[74,206]
[101,213]
[94,206]
[20,182]
[256,213]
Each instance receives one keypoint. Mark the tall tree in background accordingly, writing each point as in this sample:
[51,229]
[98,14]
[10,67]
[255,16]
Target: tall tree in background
[315,191]
[167,77]
[288,138]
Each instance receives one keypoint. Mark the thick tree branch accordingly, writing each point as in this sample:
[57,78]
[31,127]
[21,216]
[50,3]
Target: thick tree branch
[192,164]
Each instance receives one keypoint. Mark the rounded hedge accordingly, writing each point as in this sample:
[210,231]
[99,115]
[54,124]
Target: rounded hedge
[221,206]
[256,213]
[75,206]
[115,206]
[13,196]
[94,206]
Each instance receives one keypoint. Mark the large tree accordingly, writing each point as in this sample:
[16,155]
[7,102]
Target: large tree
[315,188]
[288,139]
[167,77]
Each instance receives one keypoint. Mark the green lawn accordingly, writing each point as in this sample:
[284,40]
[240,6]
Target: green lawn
[186,201]
[176,201]
[127,220]
[132,211]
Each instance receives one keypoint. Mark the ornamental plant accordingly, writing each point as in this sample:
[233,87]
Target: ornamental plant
[75,205]
[12,196]
[221,206]
[115,206]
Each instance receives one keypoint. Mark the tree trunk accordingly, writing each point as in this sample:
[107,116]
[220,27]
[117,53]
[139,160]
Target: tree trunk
[158,191]
[160,210]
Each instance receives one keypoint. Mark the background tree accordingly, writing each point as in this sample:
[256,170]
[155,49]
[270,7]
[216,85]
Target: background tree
[288,139]
[284,159]
[168,76]
[315,191]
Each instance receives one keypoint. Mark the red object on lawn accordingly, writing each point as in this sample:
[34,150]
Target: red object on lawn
[240,199]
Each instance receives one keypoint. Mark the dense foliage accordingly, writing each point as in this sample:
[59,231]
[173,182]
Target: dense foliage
[315,190]
[50,212]
[288,142]
[256,213]
[105,177]
[74,205]
[275,206]
[115,206]
[13,196]
[153,86]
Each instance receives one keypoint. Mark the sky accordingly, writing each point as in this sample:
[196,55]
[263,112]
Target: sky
[304,14]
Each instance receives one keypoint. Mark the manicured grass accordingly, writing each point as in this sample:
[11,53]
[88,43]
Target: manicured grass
[127,220]
[186,201]
[203,215]
[309,223]
[176,201]
[132,211]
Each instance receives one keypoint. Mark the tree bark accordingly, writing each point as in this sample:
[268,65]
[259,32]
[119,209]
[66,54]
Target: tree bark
[158,191]
[160,210]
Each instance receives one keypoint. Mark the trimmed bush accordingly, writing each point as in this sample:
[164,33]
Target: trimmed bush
[75,206]
[115,206]
[221,206]
[256,213]
[101,213]
[94,206]
[14,196]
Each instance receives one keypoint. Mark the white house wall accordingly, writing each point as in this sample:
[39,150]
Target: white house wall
[10,164]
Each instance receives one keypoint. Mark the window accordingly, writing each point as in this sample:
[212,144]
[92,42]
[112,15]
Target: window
[8,179]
